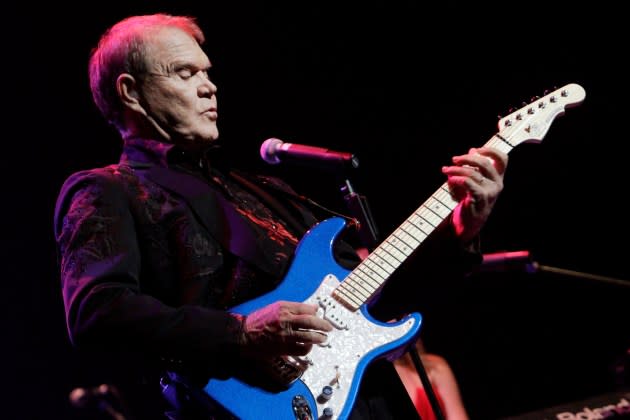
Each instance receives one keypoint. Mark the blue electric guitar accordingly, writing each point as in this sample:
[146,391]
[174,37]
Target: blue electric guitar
[324,383]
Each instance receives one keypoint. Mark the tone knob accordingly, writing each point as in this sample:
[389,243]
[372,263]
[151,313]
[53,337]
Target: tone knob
[327,392]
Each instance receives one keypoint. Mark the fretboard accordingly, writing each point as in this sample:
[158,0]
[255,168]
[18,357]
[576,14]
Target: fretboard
[372,273]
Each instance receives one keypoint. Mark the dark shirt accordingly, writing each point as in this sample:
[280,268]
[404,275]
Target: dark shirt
[155,249]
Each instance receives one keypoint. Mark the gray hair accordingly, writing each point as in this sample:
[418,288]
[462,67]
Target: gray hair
[123,49]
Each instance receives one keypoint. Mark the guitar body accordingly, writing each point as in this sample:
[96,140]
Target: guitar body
[339,364]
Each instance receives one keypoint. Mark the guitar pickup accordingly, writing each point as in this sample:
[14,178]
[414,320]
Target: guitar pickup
[334,312]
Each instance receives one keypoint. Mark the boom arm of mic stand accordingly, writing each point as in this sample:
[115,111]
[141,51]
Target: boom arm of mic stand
[588,276]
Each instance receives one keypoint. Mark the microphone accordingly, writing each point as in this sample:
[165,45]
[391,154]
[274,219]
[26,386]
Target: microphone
[508,261]
[274,151]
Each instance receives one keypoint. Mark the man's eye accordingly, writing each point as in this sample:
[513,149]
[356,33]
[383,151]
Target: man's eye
[185,73]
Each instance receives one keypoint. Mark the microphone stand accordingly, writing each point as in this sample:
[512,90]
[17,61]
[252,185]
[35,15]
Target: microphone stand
[360,210]
[522,261]
[368,234]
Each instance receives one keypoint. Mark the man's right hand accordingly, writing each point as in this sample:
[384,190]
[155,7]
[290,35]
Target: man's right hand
[283,328]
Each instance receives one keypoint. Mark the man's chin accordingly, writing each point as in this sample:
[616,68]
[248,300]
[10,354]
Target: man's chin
[209,137]
[205,138]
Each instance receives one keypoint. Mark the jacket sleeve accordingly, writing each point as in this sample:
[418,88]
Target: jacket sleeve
[100,266]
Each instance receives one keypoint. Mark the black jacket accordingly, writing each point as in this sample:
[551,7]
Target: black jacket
[153,253]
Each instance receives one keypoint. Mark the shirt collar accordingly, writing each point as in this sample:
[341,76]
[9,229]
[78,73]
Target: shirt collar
[147,152]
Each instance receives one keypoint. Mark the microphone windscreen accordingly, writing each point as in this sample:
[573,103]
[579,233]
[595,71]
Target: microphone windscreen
[268,150]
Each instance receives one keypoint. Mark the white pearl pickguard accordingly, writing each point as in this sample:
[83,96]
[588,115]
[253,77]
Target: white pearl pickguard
[336,364]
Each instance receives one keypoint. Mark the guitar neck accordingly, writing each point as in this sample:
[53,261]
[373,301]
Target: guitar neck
[371,274]
[528,124]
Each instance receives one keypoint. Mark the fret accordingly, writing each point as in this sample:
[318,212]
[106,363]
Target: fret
[415,232]
[374,270]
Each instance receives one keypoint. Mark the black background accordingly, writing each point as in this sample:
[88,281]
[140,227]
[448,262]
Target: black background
[403,85]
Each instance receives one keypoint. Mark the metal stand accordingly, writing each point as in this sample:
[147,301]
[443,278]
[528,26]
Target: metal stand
[522,261]
[428,387]
[587,276]
[358,206]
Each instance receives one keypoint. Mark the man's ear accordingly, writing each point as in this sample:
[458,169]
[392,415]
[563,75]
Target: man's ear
[127,88]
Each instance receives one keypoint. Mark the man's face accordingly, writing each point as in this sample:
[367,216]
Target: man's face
[177,94]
